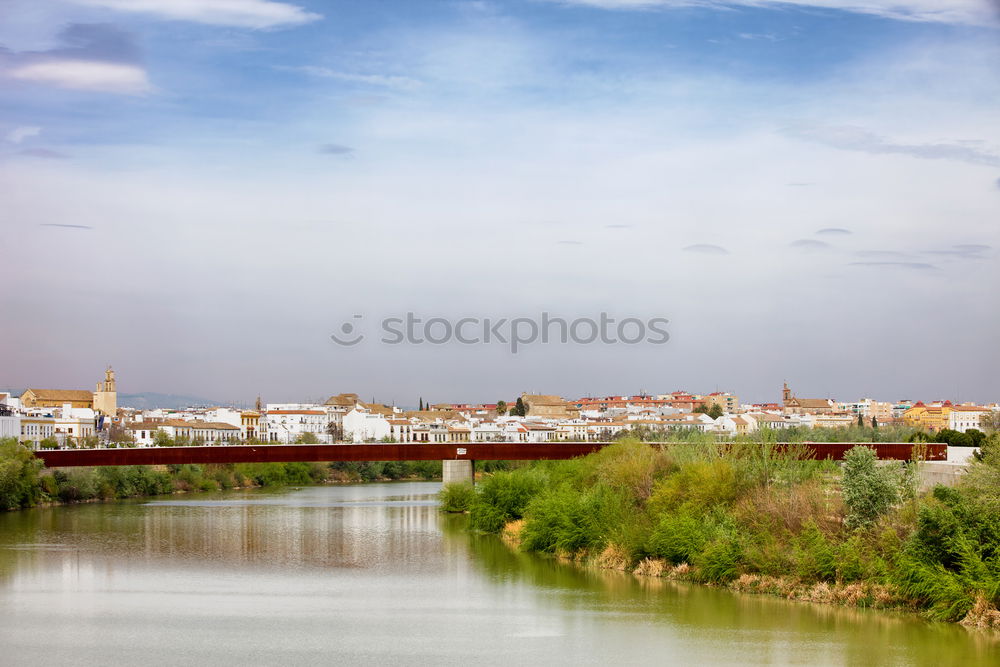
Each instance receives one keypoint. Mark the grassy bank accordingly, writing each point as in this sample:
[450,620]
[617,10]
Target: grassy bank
[24,482]
[758,520]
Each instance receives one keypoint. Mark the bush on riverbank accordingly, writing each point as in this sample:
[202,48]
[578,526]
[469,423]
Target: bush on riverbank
[456,497]
[24,483]
[756,518]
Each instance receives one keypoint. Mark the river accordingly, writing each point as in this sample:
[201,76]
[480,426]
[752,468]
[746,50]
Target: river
[374,574]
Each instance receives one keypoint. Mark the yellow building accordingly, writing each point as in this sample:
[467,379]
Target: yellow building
[103,401]
[928,417]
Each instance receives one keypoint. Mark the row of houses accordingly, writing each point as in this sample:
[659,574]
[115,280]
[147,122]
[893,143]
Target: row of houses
[346,418]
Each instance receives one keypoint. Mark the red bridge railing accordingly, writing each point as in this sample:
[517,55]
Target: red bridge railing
[477,451]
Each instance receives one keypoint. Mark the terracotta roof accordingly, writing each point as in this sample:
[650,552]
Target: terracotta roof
[349,400]
[62,394]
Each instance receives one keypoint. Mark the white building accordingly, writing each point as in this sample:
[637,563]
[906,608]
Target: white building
[288,422]
[360,425]
[10,422]
[965,417]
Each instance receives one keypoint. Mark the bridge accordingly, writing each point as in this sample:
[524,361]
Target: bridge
[457,457]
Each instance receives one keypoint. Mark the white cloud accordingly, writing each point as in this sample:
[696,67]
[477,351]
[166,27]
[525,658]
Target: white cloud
[86,75]
[387,81]
[19,134]
[257,14]
[942,11]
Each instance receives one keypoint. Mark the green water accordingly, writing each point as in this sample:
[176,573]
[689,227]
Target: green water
[373,574]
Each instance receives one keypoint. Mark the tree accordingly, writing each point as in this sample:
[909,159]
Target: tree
[501,408]
[861,420]
[990,422]
[162,439]
[307,438]
[702,408]
[520,408]
[869,490]
[874,423]
[335,430]
[19,484]
[715,411]
[421,407]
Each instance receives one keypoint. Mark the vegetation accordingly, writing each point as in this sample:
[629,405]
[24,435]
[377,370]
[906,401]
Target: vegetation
[760,517]
[25,483]
[520,408]
[456,497]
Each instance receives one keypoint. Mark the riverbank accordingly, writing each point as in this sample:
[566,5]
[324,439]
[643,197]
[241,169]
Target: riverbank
[757,520]
[25,483]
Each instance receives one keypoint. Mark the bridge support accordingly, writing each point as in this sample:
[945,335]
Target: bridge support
[456,471]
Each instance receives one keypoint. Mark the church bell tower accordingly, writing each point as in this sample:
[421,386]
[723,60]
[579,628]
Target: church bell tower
[106,395]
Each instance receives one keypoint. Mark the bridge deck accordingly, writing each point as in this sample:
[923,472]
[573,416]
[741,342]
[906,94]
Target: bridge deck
[477,451]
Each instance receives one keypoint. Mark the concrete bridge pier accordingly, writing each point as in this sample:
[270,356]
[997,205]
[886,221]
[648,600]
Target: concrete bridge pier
[456,471]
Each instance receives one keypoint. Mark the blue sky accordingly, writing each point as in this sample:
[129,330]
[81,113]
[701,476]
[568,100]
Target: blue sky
[247,174]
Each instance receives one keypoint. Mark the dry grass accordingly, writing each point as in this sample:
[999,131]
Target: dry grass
[851,595]
[511,533]
[790,508]
[613,558]
[982,615]
[651,567]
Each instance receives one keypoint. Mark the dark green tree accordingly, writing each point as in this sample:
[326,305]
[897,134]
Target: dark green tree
[861,420]
[715,411]
[501,408]
[702,408]
[520,408]
[874,423]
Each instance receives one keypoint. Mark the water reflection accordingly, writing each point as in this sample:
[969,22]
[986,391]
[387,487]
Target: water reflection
[374,574]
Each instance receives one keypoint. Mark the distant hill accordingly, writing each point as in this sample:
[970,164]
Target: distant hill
[150,399]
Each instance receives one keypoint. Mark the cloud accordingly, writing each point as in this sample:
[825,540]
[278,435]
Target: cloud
[381,80]
[569,243]
[810,244]
[833,231]
[618,226]
[998,184]
[915,266]
[881,253]
[706,249]
[19,134]
[852,138]
[43,153]
[84,75]
[335,149]
[94,56]
[64,226]
[973,12]
[256,14]
[962,251]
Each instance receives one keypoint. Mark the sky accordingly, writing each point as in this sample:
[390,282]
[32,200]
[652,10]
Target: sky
[201,192]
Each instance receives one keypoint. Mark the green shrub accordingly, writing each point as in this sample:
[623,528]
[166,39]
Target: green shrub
[701,484]
[815,558]
[19,485]
[502,497]
[680,537]
[722,560]
[456,497]
[869,490]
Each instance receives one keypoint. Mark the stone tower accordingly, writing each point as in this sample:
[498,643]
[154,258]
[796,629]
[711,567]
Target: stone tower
[106,395]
